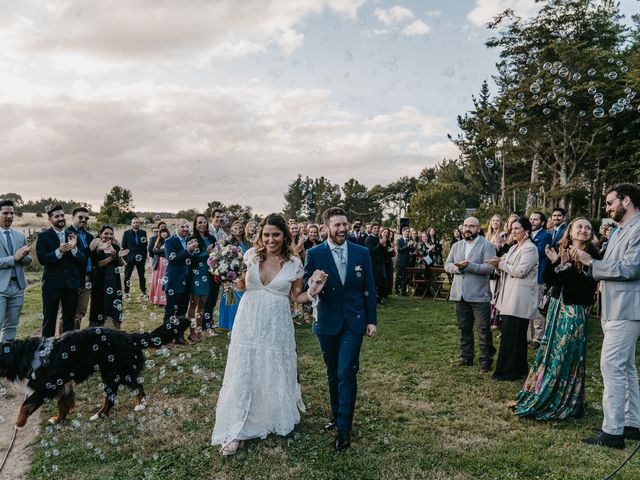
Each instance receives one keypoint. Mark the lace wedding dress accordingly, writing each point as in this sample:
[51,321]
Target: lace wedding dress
[260,392]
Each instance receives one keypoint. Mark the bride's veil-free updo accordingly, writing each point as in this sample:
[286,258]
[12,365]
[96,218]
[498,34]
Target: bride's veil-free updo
[279,222]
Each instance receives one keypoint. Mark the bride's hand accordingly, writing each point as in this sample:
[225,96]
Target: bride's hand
[318,280]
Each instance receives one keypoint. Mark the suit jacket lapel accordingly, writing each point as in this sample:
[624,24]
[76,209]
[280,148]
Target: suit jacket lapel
[331,261]
[473,249]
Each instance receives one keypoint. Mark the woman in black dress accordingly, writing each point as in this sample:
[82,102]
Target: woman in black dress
[106,290]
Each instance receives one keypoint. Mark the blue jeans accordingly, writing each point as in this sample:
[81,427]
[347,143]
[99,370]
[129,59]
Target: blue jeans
[342,356]
[11,301]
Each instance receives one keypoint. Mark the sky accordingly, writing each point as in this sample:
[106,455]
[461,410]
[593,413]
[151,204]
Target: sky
[185,102]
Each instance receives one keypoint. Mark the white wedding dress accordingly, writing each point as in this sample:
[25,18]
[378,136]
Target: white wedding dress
[260,392]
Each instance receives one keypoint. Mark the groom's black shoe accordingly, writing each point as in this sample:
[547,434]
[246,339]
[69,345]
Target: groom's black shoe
[606,440]
[343,440]
[330,426]
[630,433]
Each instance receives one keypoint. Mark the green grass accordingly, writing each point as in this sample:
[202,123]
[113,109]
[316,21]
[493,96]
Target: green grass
[417,416]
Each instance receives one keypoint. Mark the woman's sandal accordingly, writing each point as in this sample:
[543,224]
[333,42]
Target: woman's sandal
[231,448]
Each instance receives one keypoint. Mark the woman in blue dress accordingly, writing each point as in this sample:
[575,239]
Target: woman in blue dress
[227,313]
[200,276]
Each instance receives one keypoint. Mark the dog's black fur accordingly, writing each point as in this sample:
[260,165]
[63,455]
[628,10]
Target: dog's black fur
[75,356]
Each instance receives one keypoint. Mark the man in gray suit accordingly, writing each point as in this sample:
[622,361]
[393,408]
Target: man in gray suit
[619,276]
[14,255]
[467,261]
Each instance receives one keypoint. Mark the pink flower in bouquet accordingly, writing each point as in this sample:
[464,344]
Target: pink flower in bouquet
[231,275]
[211,262]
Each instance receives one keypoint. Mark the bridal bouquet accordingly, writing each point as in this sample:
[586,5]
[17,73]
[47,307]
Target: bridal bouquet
[226,266]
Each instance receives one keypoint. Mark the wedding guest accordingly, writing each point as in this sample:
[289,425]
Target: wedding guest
[619,276]
[387,287]
[134,241]
[436,244]
[313,238]
[541,238]
[152,240]
[554,388]
[495,228]
[457,235]
[504,241]
[200,277]
[414,239]
[402,262]
[251,232]
[468,263]
[356,235]
[80,217]
[367,229]
[178,250]
[215,230]
[58,252]
[559,217]
[323,233]
[159,267]
[378,250]
[304,229]
[227,313]
[15,254]
[215,227]
[517,300]
[106,290]
[297,240]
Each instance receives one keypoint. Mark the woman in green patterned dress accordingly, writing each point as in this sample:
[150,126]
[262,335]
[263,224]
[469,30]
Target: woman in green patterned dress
[554,388]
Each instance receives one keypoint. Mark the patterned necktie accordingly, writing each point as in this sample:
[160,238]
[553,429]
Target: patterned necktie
[11,252]
[342,267]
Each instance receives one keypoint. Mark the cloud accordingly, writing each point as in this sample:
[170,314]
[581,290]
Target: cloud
[393,15]
[433,13]
[484,10]
[418,27]
[170,32]
[178,147]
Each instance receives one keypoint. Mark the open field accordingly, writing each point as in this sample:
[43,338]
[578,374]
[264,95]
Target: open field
[417,416]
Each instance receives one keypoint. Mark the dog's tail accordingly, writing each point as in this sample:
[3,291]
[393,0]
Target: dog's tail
[165,333]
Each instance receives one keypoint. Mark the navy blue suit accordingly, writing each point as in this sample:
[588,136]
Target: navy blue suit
[557,236]
[61,281]
[541,240]
[343,313]
[178,283]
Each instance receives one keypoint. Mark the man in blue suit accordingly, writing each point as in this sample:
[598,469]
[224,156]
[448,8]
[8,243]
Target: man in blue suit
[345,311]
[179,254]
[559,219]
[541,238]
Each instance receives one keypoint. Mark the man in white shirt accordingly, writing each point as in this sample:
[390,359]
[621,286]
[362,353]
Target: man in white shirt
[14,256]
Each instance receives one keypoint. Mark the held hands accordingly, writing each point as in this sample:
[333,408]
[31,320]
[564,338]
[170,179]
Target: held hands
[580,256]
[21,253]
[317,281]
[192,245]
[462,265]
[494,262]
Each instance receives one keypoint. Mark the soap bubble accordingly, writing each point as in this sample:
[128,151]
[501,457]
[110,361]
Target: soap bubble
[534,88]
[489,162]
[591,72]
[523,130]
[598,113]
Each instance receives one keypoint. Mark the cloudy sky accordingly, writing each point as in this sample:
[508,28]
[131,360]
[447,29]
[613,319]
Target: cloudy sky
[185,102]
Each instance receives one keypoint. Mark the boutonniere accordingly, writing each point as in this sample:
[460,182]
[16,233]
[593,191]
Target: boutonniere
[358,270]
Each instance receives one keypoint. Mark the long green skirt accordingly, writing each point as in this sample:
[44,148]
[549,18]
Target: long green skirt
[554,388]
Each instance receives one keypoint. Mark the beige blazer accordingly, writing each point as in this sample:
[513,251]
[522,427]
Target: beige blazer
[518,295]
[619,273]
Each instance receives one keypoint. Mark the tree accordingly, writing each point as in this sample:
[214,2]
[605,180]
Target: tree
[117,206]
[17,201]
[188,214]
[293,197]
[437,205]
[357,202]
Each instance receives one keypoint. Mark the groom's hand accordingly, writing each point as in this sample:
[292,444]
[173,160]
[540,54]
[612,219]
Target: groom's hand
[371,330]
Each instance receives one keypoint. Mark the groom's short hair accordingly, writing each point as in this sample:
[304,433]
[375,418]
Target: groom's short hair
[332,212]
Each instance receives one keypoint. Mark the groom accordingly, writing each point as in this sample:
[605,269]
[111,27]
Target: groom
[345,312]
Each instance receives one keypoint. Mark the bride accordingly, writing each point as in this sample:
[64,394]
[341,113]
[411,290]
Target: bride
[260,392]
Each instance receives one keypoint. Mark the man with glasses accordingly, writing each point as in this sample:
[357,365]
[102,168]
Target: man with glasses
[467,262]
[619,276]
[80,217]
[15,254]
[356,235]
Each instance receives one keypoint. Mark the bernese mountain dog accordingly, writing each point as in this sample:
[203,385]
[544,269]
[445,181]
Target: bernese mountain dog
[52,365]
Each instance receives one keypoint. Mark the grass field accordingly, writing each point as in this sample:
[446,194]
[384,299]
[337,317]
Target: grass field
[417,416]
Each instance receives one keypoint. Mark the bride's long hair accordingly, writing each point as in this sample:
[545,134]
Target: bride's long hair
[280,223]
